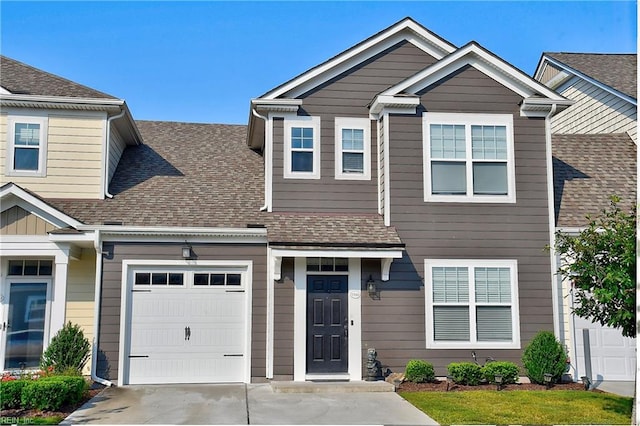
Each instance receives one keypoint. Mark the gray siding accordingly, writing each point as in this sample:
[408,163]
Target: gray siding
[346,95]
[395,324]
[283,300]
[109,320]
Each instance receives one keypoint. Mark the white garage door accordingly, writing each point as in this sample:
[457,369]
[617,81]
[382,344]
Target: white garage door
[613,357]
[188,326]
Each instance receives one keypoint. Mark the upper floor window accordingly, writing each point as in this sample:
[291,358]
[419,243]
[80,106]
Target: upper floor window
[302,148]
[469,157]
[353,148]
[472,304]
[27,144]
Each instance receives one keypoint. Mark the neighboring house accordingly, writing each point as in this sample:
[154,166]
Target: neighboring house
[594,150]
[397,196]
[58,139]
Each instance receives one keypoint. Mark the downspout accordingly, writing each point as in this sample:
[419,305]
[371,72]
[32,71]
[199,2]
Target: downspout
[96,312]
[108,152]
[267,154]
[552,220]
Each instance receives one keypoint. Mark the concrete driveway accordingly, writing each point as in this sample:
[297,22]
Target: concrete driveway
[244,404]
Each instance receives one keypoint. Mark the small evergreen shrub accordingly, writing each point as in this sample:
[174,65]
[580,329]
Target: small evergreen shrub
[545,354]
[508,370]
[465,373]
[10,393]
[69,349]
[52,393]
[419,371]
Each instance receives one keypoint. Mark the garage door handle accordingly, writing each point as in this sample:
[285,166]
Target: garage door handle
[233,355]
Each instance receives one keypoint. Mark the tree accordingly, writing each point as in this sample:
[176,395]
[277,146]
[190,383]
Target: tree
[601,262]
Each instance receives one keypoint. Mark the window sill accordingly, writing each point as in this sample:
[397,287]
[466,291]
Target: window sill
[508,199]
[471,345]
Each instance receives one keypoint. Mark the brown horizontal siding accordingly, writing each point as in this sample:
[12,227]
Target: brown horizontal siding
[347,95]
[283,319]
[395,324]
[110,302]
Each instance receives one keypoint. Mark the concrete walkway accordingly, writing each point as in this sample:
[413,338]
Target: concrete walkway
[618,388]
[244,404]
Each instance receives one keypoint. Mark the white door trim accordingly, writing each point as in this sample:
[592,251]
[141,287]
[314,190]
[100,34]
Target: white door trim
[125,305]
[300,318]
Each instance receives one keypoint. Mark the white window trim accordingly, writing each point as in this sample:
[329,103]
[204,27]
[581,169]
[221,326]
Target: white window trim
[43,121]
[467,120]
[512,264]
[353,123]
[313,122]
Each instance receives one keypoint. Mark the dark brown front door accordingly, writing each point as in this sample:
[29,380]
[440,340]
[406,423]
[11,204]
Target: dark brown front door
[327,328]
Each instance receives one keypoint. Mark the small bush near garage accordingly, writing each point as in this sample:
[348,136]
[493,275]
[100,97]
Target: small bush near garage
[545,354]
[10,393]
[52,393]
[419,371]
[508,370]
[68,350]
[465,373]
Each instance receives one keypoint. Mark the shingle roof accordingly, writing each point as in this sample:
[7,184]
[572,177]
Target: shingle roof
[204,175]
[331,229]
[587,170]
[617,71]
[19,78]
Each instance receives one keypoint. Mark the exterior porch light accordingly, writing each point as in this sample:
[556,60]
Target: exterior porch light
[186,251]
[498,379]
[372,289]
[547,379]
[586,381]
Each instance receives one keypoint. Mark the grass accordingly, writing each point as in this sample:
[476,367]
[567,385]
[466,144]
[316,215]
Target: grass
[523,407]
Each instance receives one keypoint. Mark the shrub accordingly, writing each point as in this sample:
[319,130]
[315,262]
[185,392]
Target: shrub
[545,354]
[419,371]
[508,370]
[68,349]
[52,393]
[10,392]
[465,373]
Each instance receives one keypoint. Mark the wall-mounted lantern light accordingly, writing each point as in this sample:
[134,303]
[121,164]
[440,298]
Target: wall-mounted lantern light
[187,251]
[372,289]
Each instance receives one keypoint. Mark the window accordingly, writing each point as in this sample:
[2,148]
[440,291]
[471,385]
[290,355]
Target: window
[302,148]
[30,267]
[353,148]
[472,304]
[469,157]
[159,278]
[27,146]
[327,264]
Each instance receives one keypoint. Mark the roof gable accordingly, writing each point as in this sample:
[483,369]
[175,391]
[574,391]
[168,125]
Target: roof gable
[484,61]
[406,29]
[12,195]
[614,73]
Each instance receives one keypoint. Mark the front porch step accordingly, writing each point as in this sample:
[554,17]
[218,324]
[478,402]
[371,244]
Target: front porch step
[331,386]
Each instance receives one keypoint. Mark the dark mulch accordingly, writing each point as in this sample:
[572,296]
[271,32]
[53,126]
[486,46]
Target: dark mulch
[63,413]
[441,386]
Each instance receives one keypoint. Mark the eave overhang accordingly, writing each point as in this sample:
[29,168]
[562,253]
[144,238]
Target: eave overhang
[397,104]
[264,107]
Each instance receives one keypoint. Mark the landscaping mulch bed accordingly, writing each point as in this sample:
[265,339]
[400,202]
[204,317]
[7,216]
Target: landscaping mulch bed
[441,386]
[64,412]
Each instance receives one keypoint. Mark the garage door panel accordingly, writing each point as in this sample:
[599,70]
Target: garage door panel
[213,350]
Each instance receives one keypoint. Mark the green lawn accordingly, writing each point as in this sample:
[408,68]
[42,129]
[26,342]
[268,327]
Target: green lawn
[523,407]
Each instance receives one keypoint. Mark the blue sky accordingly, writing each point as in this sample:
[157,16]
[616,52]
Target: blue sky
[204,61]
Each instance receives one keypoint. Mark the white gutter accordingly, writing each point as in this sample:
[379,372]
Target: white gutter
[552,219]
[107,152]
[96,312]
[267,159]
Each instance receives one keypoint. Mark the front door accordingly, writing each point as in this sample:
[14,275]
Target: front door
[24,324]
[327,326]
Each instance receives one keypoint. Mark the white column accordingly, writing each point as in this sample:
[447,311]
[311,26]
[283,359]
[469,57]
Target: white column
[59,293]
[355,319]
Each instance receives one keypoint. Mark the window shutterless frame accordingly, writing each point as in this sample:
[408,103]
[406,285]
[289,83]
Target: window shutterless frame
[27,145]
[463,160]
[352,148]
[472,293]
[302,148]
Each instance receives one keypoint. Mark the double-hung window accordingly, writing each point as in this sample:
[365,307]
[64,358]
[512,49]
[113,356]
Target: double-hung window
[302,148]
[472,304]
[353,148]
[27,143]
[469,157]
